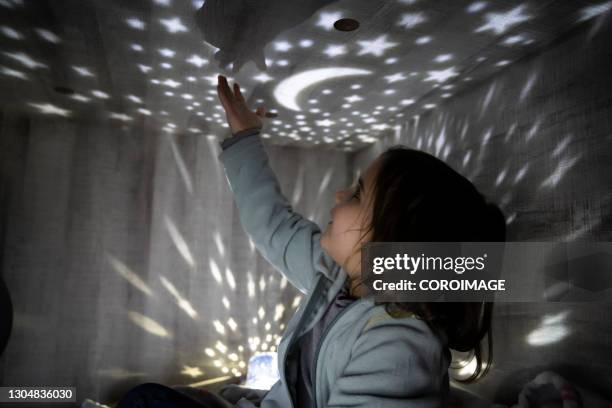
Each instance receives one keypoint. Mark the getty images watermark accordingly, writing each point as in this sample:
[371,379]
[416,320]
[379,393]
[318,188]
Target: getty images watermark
[487,271]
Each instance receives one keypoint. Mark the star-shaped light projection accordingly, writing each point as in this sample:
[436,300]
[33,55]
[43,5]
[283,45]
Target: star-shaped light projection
[325,123]
[197,4]
[25,60]
[80,98]
[100,94]
[83,71]
[443,58]
[501,22]
[263,77]
[282,46]
[593,11]
[425,39]
[49,109]
[327,19]
[173,25]
[135,23]
[166,52]
[476,6]
[406,102]
[410,20]
[10,33]
[13,73]
[441,75]
[353,98]
[144,68]
[192,372]
[120,116]
[376,47]
[164,3]
[171,83]
[197,61]
[134,98]
[48,36]
[380,126]
[333,50]
[395,77]
[306,43]
[516,39]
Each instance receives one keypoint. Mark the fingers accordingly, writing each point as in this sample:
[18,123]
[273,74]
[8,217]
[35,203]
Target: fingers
[224,92]
[238,93]
[222,82]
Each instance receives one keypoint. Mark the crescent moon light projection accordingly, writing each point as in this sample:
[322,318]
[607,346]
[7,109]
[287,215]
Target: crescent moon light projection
[288,90]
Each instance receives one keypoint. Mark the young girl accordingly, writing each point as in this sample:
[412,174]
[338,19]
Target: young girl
[343,349]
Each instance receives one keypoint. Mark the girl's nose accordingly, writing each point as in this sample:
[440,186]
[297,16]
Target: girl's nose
[337,196]
[341,196]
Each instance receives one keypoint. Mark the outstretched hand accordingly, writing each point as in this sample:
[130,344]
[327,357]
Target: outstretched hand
[239,116]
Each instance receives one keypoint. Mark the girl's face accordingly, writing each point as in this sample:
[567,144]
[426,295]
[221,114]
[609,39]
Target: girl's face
[349,219]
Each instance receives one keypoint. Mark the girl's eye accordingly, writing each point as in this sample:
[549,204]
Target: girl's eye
[356,193]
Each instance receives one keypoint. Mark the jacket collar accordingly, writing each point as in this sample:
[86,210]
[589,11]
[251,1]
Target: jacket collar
[327,266]
[337,276]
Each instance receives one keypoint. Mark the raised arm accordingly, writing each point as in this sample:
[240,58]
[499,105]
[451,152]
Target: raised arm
[285,238]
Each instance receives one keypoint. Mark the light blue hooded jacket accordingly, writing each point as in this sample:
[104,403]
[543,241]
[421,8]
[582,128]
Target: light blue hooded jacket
[365,358]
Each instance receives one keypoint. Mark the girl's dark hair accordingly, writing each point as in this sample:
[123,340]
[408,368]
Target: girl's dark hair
[419,198]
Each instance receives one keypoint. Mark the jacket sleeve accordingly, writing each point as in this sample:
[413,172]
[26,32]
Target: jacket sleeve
[393,366]
[286,239]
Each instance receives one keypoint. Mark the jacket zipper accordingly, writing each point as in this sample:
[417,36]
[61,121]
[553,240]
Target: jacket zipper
[314,383]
